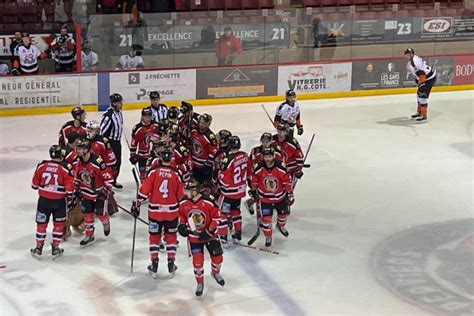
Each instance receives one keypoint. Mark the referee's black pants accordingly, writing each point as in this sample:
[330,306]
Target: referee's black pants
[117,149]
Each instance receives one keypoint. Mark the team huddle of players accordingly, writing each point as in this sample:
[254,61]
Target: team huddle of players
[194,181]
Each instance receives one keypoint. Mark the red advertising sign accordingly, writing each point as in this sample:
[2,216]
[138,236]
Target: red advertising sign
[463,69]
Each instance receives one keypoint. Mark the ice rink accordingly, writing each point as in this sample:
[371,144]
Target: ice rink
[362,239]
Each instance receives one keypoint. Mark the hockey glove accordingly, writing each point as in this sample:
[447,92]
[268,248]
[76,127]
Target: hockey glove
[71,201]
[135,209]
[133,159]
[253,194]
[183,230]
[298,174]
[300,130]
[205,235]
[291,199]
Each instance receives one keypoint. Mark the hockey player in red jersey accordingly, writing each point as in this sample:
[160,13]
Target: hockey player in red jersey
[95,183]
[235,168]
[181,156]
[55,184]
[291,150]
[204,148]
[198,220]
[256,156]
[100,145]
[222,149]
[69,150]
[173,115]
[141,145]
[163,187]
[188,121]
[78,125]
[271,185]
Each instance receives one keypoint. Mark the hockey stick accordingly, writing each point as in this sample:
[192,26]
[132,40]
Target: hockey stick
[268,115]
[129,213]
[273,252]
[305,157]
[257,233]
[136,178]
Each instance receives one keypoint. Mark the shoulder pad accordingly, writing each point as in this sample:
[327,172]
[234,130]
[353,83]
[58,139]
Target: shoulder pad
[100,162]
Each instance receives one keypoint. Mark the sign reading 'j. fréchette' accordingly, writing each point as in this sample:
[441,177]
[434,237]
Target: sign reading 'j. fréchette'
[46,91]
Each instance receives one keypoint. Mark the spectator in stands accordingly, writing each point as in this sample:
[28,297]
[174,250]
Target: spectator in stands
[228,47]
[16,41]
[208,36]
[317,37]
[89,59]
[4,70]
[26,57]
[109,6]
[64,49]
[132,60]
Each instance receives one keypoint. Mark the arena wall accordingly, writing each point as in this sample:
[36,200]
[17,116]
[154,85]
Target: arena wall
[48,94]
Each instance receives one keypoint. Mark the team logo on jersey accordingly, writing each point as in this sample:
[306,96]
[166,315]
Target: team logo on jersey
[197,148]
[271,184]
[430,266]
[86,178]
[196,220]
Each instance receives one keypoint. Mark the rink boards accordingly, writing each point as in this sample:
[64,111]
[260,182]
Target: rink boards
[46,94]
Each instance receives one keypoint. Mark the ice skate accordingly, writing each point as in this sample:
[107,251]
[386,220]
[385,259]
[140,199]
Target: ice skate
[219,279]
[153,268]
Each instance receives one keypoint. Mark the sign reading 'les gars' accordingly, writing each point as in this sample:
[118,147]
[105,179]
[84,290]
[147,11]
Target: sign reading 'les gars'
[312,78]
[39,91]
[173,85]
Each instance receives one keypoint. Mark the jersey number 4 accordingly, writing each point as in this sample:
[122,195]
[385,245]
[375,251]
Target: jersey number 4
[164,188]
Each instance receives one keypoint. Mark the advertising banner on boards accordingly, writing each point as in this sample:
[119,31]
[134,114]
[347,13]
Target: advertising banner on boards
[233,82]
[314,78]
[173,85]
[46,91]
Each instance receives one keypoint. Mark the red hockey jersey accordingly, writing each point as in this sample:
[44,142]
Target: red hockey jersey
[141,139]
[69,127]
[92,176]
[256,155]
[180,160]
[53,180]
[163,188]
[292,153]
[70,155]
[186,125]
[101,147]
[272,184]
[204,148]
[233,175]
[199,216]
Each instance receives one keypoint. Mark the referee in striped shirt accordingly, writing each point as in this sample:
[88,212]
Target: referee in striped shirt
[111,127]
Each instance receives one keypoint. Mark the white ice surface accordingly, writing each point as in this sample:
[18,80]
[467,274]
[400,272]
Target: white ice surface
[373,174]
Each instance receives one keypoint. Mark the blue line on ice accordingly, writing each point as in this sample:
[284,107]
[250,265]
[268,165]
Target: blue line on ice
[284,302]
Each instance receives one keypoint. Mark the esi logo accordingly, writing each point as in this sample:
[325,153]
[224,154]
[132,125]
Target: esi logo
[134,78]
[437,26]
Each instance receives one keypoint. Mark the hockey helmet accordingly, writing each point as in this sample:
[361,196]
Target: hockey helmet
[266,136]
[282,127]
[186,107]
[163,126]
[84,143]
[268,151]
[290,93]
[115,98]
[55,152]
[77,111]
[173,132]
[166,154]
[409,50]
[154,95]
[223,136]
[93,128]
[206,118]
[234,142]
[147,112]
[192,185]
[173,113]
